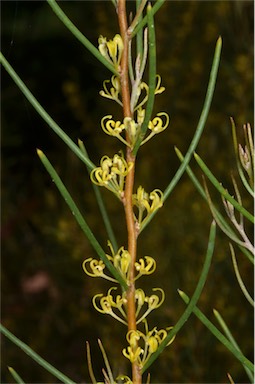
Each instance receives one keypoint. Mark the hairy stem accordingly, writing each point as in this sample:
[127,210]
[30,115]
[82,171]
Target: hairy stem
[128,206]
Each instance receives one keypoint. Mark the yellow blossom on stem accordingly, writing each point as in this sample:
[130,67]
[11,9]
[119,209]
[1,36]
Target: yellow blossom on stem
[108,303]
[111,174]
[113,128]
[145,266]
[146,203]
[111,49]
[157,125]
[114,91]
[150,340]
[152,301]
[121,260]
[96,269]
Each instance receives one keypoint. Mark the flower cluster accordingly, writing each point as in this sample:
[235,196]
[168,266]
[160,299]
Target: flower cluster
[112,51]
[111,174]
[109,304]
[142,345]
[133,127]
[146,204]
[121,261]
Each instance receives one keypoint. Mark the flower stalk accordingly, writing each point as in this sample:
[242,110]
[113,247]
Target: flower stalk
[127,201]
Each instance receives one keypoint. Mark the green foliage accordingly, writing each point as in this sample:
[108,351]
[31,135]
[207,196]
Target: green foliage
[159,235]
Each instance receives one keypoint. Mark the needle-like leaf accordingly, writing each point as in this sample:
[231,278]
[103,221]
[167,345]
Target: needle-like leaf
[29,351]
[80,219]
[186,314]
[79,36]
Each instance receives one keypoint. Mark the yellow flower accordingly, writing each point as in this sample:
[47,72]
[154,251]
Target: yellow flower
[139,88]
[126,378]
[158,88]
[96,269]
[111,174]
[113,128]
[142,345]
[146,203]
[108,303]
[121,260]
[152,302]
[145,266]
[114,91]
[111,49]
[132,354]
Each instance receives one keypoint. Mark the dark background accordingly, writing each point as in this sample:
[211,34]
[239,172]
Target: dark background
[46,297]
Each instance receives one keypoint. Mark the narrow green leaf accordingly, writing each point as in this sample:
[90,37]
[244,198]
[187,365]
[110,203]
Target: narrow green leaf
[202,120]
[152,79]
[239,278]
[231,338]
[219,335]
[90,368]
[144,21]
[16,376]
[106,361]
[221,221]
[102,207]
[80,219]
[184,317]
[139,37]
[239,167]
[222,190]
[216,214]
[29,351]
[200,126]
[41,111]
[79,36]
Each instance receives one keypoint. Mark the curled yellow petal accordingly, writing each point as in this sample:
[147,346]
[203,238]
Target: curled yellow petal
[157,125]
[96,266]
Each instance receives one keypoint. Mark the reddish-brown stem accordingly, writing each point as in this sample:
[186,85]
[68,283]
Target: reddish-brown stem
[128,206]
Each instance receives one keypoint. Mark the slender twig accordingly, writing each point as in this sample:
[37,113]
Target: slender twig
[127,200]
[137,16]
[144,21]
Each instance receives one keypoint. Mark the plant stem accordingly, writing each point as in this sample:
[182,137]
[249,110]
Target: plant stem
[127,200]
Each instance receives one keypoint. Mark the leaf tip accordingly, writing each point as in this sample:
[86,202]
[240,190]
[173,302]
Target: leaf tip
[39,152]
[219,41]
[149,7]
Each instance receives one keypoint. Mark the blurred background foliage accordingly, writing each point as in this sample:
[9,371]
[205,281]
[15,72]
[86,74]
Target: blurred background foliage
[46,297]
